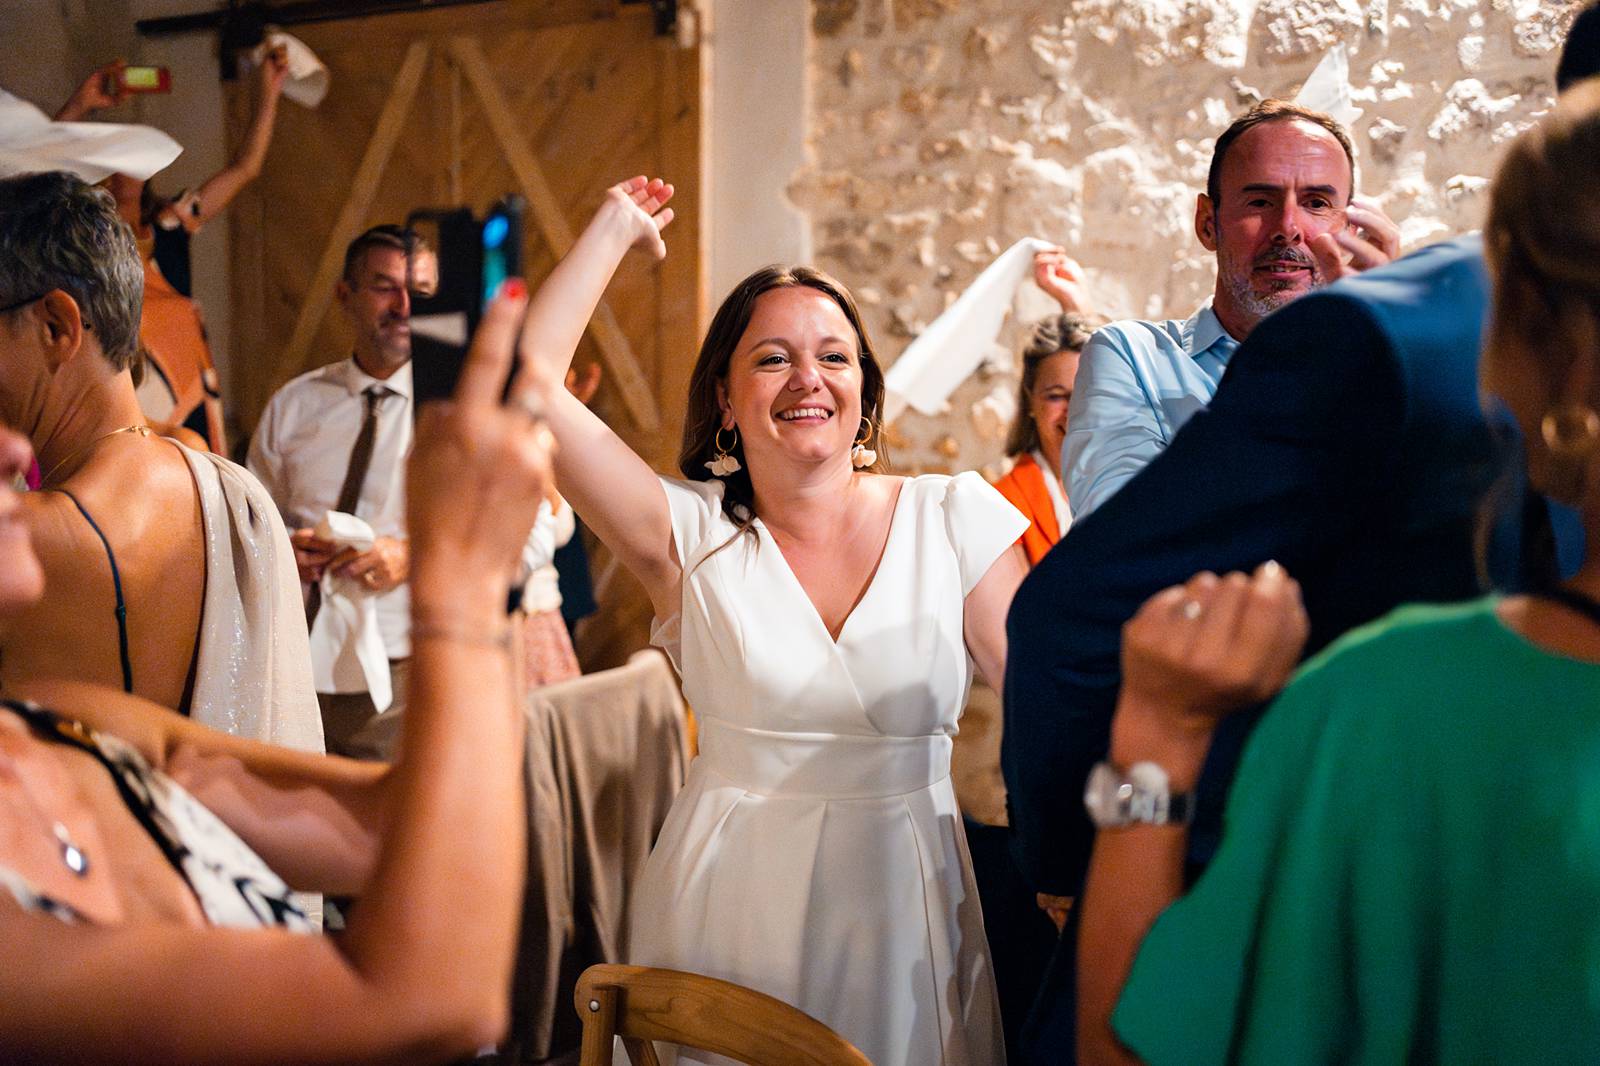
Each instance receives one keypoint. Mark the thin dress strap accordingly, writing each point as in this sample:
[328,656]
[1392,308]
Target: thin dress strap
[116,585]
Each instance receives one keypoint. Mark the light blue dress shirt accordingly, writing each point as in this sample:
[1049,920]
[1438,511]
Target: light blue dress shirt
[1138,383]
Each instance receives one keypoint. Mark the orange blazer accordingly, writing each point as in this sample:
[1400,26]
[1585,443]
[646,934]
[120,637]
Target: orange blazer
[1025,488]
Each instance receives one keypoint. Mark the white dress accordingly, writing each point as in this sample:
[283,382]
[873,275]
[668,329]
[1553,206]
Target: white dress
[816,851]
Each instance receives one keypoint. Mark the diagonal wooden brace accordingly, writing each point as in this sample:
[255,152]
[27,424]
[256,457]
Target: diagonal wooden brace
[391,123]
[613,343]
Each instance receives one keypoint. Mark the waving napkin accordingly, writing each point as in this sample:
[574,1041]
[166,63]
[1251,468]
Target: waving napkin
[307,83]
[94,151]
[347,653]
[953,345]
[1328,88]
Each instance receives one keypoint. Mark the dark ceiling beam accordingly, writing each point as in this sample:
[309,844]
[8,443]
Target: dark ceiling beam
[298,12]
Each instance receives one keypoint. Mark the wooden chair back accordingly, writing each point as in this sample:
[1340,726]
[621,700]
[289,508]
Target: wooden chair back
[641,1005]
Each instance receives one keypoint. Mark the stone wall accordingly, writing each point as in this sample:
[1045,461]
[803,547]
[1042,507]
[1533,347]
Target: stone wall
[943,130]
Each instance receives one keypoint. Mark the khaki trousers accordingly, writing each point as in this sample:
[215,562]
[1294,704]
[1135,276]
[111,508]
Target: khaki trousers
[353,728]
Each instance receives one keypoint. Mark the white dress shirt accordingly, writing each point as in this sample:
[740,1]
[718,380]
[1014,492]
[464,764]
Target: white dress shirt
[301,451]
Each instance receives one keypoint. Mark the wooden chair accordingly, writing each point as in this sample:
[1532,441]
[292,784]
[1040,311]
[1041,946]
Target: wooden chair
[641,1005]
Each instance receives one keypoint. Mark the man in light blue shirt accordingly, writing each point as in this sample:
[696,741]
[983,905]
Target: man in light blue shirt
[1279,214]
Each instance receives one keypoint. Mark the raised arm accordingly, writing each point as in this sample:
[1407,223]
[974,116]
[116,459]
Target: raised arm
[98,91]
[422,972]
[608,485]
[218,191]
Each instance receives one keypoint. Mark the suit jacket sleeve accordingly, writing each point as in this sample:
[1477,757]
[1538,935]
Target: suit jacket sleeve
[1308,408]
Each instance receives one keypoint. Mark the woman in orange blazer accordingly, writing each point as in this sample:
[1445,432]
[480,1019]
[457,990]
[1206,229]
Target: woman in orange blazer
[1049,365]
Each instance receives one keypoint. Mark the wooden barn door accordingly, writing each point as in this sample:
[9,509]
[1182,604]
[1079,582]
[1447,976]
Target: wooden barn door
[553,99]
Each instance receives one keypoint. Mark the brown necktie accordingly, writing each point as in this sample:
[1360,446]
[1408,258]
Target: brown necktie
[361,454]
[354,476]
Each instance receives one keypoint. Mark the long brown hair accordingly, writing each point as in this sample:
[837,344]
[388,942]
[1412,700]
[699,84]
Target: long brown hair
[1542,240]
[1542,243]
[1066,332]
[704,417]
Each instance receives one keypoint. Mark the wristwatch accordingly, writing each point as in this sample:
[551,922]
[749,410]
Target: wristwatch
[1142,796]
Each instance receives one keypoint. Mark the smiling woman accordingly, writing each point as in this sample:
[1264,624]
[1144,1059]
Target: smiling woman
[825,618]
[839,353]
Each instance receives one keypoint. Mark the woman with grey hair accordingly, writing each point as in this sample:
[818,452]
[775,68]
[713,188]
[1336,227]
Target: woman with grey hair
[170,574]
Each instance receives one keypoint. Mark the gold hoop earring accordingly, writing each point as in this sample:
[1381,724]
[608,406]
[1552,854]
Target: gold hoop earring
[723,463]
[1571,435]
[860,454]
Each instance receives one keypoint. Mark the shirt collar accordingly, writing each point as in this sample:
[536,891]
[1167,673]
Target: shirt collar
[358,380]
[1204,330]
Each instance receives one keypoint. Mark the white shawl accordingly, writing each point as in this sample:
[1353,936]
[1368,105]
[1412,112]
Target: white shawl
[253,675]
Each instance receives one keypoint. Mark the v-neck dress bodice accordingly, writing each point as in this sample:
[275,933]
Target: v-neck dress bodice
[816,852]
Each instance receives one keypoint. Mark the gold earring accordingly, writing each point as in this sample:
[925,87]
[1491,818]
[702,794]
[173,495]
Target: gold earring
[860,454]
[1571,435]
[722,463]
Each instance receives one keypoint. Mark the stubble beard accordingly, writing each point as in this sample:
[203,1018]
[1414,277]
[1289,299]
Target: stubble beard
[1236,279]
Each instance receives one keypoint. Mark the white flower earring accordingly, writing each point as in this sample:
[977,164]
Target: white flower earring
[723,462]
[860,454]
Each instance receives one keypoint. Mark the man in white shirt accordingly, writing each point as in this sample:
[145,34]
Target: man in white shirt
[1280,215]
[337,439]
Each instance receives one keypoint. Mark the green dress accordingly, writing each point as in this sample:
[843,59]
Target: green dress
[1410,869]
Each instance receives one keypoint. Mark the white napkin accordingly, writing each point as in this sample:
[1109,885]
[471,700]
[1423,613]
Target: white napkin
[307,83]
[94,151]
[956,342]
[347,653]
[1328,88]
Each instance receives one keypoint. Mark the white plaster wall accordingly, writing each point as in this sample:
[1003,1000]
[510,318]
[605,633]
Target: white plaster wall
[942,130]
[757,104]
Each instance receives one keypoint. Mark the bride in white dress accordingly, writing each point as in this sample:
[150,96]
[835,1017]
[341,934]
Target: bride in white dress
[825,619]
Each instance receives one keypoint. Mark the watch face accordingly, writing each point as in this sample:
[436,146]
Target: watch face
[1107,796]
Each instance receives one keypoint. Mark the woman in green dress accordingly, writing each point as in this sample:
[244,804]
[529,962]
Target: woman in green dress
[1410,870]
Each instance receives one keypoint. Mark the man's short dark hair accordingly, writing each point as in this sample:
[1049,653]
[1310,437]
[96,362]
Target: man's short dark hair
[59,232]
[1580,56]
[1273,111]
[400,238]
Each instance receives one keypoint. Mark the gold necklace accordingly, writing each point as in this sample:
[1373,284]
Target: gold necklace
[143,431]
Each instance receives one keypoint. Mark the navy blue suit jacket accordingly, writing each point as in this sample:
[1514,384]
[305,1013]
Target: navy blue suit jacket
[1347,442]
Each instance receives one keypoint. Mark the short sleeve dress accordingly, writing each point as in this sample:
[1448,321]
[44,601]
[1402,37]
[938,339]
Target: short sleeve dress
[816,851]
[1410,868]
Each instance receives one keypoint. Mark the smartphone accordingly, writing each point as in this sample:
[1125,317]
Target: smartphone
[475,259]
[145,79]
[500,248]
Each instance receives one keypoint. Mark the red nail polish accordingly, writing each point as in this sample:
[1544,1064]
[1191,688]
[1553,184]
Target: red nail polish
[515,288]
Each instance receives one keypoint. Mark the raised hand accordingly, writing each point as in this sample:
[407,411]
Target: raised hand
[478,471]
[1370,238]
[638,207]
[99,90]
[273,72]
[1060,276]
[1197,652]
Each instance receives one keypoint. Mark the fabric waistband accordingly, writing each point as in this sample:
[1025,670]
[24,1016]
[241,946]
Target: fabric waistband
[823,765]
